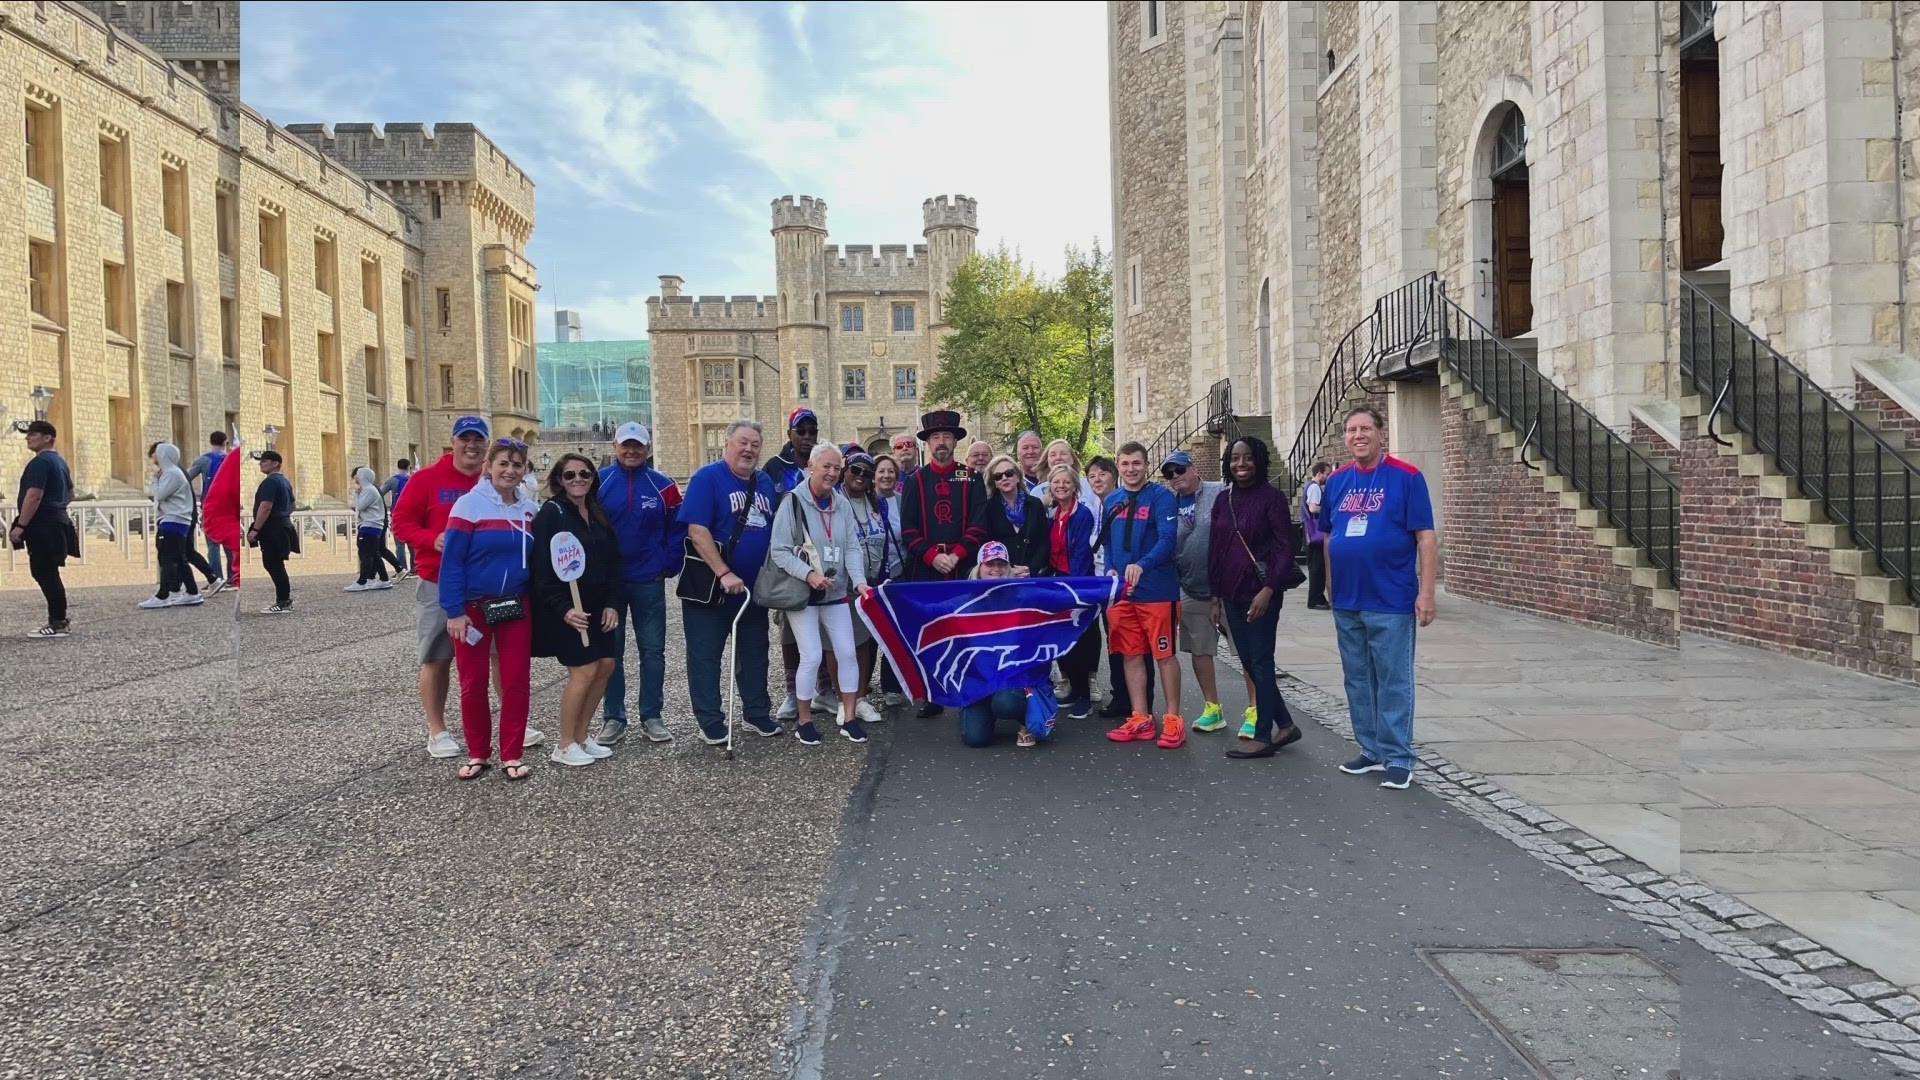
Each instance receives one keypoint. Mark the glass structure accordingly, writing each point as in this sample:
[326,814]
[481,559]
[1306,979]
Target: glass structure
[583,383]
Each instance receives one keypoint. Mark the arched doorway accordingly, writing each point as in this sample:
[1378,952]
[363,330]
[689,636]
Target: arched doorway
[1701,230]
[878,445]
[1512,248]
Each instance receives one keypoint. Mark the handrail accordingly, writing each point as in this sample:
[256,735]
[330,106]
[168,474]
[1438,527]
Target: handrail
[1403,319]
[1620,481]
[1819,442]
[1349,367]
[1208,412]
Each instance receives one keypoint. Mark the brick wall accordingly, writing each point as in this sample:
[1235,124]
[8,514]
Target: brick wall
[1752,578]
[1648,442]
[1868,397]
[1506,541]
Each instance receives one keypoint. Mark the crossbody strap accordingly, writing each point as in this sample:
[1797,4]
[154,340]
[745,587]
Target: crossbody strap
[740,519]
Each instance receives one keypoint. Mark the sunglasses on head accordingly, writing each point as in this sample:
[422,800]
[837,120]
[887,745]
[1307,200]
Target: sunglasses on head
[509,443]
[576,474]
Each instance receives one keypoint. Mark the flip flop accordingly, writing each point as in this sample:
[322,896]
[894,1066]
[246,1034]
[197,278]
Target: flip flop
[517,771]
[473,770]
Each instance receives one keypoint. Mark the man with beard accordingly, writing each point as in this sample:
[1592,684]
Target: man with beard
[943,510]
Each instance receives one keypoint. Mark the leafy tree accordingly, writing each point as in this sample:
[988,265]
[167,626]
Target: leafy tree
[1033,352]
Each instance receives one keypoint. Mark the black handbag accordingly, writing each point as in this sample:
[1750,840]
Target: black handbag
[697,583]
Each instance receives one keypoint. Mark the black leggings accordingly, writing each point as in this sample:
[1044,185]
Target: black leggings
[373,557]
[274,550]
[176,572]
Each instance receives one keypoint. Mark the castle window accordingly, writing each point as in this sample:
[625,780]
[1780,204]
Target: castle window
[804,381]
[229,332]
[114,294]
[173,200]
[903,318]
[370,285]
[717,380]
[443,303]
[853,383]
[41,144]
[436,206]
[177,315]
[1153,23]
[223,221]
[1136,300]
[853,318]
[40,278]
[446,384]
[113,170]
[323,263]
[906,384]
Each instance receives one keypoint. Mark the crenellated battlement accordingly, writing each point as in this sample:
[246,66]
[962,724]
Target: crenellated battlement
[961,213]
[807,213]
[177,29]
[411,151]
[675,310]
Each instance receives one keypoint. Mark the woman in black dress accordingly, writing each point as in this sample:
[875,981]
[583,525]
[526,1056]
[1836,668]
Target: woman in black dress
[1016,518]
[574,507]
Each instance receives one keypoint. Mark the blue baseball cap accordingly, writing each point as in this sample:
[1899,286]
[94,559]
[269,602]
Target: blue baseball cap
[470,425]
[1178,459]
[800,416]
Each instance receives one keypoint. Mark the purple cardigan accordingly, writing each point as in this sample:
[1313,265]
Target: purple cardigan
[1248,519]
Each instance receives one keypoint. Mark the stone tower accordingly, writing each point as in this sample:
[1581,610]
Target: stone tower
[799,245]
[203,37]
[951,229]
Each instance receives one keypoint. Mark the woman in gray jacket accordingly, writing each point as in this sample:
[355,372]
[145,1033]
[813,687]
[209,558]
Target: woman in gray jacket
[172,496]
[816,538]
[370,510]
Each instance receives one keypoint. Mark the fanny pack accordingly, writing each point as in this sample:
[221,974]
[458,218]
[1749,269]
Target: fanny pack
[502,609]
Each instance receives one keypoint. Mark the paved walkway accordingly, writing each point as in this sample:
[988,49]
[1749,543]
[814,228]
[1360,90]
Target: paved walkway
[1791,785]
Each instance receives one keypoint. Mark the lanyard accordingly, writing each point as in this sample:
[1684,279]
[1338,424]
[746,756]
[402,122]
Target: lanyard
[826,515]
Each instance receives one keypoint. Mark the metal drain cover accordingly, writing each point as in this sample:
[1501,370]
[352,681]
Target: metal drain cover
[1572,1014]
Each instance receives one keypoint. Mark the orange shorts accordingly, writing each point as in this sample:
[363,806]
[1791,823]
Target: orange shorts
[1142,629]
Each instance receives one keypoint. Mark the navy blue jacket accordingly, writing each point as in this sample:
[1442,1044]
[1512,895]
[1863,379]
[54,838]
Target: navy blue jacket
[644,504]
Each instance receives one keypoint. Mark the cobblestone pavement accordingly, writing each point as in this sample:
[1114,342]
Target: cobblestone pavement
[279,883]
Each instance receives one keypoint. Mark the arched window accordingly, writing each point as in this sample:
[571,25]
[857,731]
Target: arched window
[816,307]
[1512,270]
[1265,335]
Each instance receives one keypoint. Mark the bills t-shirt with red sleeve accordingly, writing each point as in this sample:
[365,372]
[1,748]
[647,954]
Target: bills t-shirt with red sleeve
[1371,518]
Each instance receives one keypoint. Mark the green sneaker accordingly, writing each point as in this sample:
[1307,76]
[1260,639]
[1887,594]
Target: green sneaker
[1210,719]
[1248,726]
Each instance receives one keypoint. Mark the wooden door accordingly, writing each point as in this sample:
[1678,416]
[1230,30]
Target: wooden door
[1701,232]
[1512,255]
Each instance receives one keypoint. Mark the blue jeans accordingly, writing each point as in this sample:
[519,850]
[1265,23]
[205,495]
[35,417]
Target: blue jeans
[1253,642]
[1376,653]
[647,606]
[707,627]
[404,554]
[217,558]
[977,719]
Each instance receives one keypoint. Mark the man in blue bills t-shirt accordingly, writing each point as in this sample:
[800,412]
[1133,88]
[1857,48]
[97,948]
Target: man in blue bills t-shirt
[729,491]
[1382,558]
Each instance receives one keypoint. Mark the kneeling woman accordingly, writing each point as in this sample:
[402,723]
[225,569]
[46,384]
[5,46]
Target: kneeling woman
[978,719]
[483,590]
[581,639]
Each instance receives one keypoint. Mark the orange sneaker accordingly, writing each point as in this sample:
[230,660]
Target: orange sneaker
[1138,728]
[1173,732]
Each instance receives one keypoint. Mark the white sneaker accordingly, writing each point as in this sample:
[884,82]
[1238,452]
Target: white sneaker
[358,586]
[187,600]
[213,587]
[866,713]
[572,756]
[534,737]
[444,745]
[827,704]
[155,603]
[789,709]
[595,750]
[379,585]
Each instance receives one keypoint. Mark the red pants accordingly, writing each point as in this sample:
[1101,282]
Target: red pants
[514,643]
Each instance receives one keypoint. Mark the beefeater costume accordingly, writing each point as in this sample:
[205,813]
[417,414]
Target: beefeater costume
[943,511]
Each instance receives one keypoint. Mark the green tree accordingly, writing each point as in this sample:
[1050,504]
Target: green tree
[1033,352]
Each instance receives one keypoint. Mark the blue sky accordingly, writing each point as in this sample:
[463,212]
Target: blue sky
[657,134]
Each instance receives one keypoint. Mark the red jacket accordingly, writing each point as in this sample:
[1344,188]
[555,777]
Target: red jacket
[420,515]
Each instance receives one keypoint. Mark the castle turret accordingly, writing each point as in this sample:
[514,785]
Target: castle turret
[951,229]
[799,245]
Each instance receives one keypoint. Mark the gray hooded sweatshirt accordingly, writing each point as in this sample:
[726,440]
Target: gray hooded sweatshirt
[171,491]
[848,559]
[1190,549]
[368,503]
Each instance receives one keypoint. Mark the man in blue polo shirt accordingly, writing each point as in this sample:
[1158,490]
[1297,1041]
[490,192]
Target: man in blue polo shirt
[1382,560]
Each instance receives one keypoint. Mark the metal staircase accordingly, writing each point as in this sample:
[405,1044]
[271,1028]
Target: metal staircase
[1210,415]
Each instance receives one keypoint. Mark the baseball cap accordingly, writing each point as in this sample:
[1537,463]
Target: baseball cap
[993,551]
[41,427]
[470,425]
[800,416]
[633,431]
[859,458]
[1179,459]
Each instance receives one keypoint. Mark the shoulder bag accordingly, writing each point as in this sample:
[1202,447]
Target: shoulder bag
[698,583]
[1291,578]
[776,589]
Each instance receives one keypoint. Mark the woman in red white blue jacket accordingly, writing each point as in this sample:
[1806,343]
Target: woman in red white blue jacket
[484,573]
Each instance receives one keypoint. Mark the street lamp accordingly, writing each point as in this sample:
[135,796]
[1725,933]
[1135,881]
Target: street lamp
[272,434]
[42,404]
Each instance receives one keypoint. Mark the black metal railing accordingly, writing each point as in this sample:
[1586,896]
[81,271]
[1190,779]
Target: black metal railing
[1839,460]
[1403,319]
[1208,413]
[1634,494]
[1352,365]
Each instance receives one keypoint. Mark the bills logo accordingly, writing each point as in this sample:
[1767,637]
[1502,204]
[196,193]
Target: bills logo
[956,642]
[1363,502]
[738,499]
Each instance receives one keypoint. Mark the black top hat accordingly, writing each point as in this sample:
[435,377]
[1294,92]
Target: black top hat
[941,420]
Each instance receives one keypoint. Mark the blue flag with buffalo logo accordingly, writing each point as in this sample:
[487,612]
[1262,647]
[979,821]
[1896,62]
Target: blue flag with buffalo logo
[955,642]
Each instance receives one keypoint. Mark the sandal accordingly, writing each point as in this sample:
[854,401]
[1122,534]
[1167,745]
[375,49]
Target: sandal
[517,770]
[473,770]
[1025,738]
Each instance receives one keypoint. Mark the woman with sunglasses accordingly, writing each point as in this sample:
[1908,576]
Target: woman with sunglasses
[484,580]
[582,638]
[1015,518]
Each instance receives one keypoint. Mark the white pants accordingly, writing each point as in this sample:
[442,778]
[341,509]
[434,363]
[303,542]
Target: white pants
[806,624]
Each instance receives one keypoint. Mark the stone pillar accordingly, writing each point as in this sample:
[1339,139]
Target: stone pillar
[1399,95]
[1293,65]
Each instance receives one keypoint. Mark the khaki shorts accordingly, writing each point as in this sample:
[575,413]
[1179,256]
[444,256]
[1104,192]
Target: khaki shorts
[431,624]
[1198,635]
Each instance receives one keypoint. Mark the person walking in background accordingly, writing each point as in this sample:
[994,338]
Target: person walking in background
[1104,478]
[818,515]
[370,511]
[1070,528]
[397,483]
[943,508]
[1383,556]
[880,551]
[272,529]
[485,582]
[1199,630]
[728,514]
[43,527]
[1142,525]
[643,505]
[1310,501]
[1249,555]
[172,496]
[220,512]
[584,638]
[1015,517]
[205,468]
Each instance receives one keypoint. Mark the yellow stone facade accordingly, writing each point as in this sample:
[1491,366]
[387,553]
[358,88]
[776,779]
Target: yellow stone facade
[190,266]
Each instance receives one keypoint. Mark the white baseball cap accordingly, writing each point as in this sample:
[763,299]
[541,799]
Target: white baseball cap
[632,431]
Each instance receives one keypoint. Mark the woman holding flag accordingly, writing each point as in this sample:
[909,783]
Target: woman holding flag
[577,592]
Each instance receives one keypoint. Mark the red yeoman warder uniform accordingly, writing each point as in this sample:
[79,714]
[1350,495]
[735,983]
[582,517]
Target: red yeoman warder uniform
[943,510]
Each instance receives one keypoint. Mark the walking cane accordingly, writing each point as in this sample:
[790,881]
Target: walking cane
[733,669]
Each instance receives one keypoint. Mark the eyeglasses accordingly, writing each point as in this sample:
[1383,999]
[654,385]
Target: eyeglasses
[997,477]
[576,474]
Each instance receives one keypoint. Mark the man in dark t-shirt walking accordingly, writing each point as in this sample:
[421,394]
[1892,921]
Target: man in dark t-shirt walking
[272,529]
[42,525]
